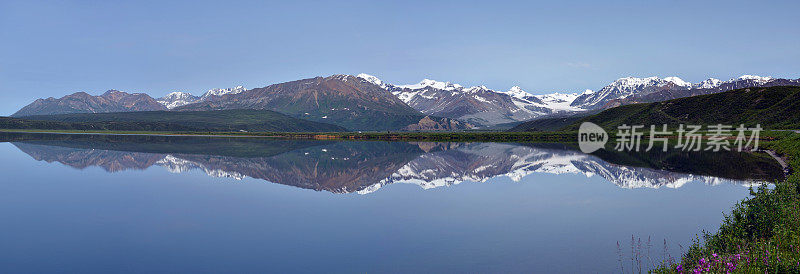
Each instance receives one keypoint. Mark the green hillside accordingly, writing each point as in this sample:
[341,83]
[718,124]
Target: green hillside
[222,120]
[547,124]
[772,107]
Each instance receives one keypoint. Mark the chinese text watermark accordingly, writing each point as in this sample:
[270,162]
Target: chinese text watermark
[714,138]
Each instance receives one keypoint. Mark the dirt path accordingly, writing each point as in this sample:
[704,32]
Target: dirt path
[780,160]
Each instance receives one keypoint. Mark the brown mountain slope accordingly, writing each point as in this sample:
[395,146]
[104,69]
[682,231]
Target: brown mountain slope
[344,100]
[81,102]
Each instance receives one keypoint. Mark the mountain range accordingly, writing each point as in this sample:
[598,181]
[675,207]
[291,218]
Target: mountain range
[365,102]
[477,105]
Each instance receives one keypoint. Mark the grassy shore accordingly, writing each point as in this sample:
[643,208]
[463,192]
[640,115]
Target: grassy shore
[383,136]
[761,234]
[464,136]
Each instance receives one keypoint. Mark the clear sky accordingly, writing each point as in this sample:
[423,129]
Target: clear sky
[57,48]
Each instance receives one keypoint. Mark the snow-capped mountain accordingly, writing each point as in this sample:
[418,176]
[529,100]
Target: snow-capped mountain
[372,79]
[559,101]
[434,84]
[709,83]
[477,105]
[632,90]
[543,104]
[222,91]
[755,78]
[177,99]
[627,87]
[748,81]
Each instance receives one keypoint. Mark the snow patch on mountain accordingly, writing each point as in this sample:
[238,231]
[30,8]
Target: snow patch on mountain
[223,91]
[709,83]
[542,104]
[177,99]
[559,102]
[759,79]
[372,79]
[516,92]
[474,89]
[678,81]
[434,84]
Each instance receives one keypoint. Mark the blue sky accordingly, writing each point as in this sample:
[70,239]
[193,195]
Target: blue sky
[56,48]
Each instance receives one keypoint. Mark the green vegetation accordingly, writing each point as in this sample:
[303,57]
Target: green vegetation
[761,234]
[547,124]
[373,120]
[175,121]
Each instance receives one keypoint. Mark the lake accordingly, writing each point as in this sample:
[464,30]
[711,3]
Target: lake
[106,203]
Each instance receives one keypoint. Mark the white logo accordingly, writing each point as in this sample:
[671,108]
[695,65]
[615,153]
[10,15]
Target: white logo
[591,137]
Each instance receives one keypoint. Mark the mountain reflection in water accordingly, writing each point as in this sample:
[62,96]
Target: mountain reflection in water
[366,166]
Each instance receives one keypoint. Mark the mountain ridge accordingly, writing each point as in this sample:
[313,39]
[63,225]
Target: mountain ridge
[82,102]
[365,102]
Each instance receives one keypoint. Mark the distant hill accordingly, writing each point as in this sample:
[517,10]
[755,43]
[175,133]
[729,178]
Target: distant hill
[81,102]
[225,120]
[772,107]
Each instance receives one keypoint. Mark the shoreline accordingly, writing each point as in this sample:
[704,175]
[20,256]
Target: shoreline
[145,134]
[562,137]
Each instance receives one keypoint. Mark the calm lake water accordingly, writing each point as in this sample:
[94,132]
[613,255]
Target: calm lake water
[91,203]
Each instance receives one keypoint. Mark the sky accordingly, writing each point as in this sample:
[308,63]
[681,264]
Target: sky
[61,47]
